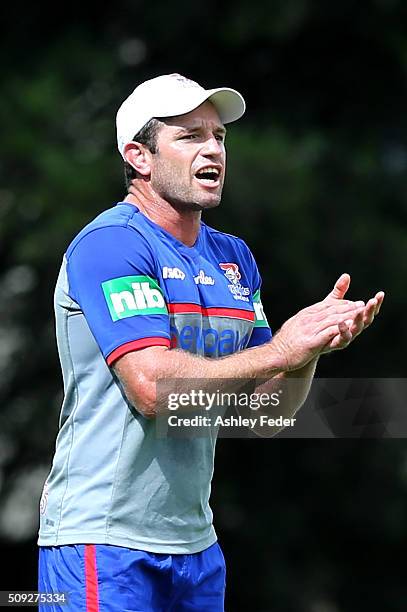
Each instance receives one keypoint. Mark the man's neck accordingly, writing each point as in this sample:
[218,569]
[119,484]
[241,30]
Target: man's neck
[184,225]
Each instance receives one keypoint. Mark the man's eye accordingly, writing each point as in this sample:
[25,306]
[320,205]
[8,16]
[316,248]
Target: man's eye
[188,137]
[220,137]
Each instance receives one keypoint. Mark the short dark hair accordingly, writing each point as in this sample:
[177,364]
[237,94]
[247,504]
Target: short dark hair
[148,137]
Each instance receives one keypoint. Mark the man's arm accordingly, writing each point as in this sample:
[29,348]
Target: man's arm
[327,325]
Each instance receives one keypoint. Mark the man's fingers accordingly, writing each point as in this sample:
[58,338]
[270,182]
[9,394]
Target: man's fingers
[336,337]
[331,324]
[374,304]
[370,312]
[322,309]
[334,315]
[356,326]
[340,288]
[371,309]
[327,334]
[344,332]
[379,297]
[365,316]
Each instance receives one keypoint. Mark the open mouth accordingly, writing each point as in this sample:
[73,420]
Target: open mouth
[208,176]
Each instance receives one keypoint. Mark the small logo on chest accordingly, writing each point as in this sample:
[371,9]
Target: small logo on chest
[175,273]
[203,279]
[233,275]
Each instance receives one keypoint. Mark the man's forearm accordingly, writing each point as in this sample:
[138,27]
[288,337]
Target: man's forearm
[160,371]
[291,389]
[175,370]
[302,381]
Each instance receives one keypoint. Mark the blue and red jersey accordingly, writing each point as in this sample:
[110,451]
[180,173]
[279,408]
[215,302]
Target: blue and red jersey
[126,284]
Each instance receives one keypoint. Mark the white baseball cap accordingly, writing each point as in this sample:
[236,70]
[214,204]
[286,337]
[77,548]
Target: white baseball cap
[170,95]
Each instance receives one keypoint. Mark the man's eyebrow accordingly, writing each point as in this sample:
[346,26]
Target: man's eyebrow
[219,129]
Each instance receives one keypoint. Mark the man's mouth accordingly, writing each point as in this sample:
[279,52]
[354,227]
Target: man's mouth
[208,176]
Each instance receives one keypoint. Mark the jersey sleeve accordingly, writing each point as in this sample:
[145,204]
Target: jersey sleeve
[261,332]
[111,276]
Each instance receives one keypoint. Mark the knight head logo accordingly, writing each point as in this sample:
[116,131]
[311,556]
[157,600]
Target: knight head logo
[231,272]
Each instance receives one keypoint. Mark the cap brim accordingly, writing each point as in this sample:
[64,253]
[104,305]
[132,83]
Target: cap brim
[228,102]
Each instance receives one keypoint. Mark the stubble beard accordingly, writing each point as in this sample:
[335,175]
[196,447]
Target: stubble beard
[171,188]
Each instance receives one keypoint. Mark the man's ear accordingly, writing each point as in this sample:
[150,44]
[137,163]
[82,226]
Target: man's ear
[139,157]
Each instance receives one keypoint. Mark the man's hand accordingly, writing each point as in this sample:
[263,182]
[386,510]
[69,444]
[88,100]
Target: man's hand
[349,329]
[326,326]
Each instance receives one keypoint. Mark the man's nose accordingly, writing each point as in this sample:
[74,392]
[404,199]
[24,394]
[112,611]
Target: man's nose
[212,146]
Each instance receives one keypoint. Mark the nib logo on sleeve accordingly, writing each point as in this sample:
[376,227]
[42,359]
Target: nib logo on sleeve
[260,319]
[128,296]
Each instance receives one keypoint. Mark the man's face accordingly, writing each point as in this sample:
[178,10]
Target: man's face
[188,169]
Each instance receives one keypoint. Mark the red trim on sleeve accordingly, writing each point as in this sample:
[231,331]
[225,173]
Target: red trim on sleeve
[136,345]
[91,579]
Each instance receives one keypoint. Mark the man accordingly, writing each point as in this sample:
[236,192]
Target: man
[148,292]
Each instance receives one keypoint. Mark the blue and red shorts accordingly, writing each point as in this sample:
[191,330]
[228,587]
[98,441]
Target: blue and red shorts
[104,578]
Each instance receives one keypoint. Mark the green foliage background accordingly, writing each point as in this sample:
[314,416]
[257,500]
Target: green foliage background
[316,185]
